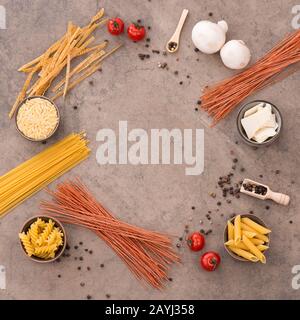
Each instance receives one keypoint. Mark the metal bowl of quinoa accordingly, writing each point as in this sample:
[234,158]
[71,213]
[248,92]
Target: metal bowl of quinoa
[37,118]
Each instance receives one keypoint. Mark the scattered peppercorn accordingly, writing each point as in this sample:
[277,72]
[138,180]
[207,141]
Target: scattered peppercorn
[147,45]
[219,203]
[210,14]
[196,50]
[81,258]
[170,279]
[178,245]
[91,82]
[78,268]
[176,73]
[149,28]
[59,276]
[242,169]
[91,252]
[75,107]
[101,265]
[86,250]
[277,171]
[181,82]
[81,243]
[267,207]
[196,109]
[44,142]
[139,21]
[82,284]
[88,269]
[291,221]
[156,51]
[107,296]
[235,160]
[75,247]
[68,247]
[89,297]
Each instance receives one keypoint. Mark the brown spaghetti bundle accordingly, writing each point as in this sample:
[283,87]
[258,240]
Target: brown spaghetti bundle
[219,100]
[148,254]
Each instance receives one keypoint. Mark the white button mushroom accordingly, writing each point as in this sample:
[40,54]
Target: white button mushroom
[209,37]
[235,54]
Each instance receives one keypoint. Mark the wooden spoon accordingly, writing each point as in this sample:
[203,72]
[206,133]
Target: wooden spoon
[173,43]
[280,198]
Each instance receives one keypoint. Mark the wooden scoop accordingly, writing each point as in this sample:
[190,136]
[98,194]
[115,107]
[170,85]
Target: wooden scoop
[173,43]
[267,194]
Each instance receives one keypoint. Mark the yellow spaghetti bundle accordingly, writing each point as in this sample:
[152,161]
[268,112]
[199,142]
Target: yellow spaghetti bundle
[31,176]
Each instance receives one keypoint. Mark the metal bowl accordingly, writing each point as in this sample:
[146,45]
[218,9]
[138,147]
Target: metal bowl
[242,132]
[58,224]
[35,97]
[252,217]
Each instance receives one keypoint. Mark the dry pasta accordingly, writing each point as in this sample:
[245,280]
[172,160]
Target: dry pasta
[237,229]
[255,226]
[31,176]
[245,239]
[243,253]
[260,236]
[252,248]
[230,230]
[46,241]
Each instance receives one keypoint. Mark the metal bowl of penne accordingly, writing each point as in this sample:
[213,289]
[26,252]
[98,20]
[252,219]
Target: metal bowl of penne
[43,239]
[246,238]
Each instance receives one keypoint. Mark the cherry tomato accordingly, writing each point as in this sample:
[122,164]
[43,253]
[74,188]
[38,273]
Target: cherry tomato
[210,261]
[136,32]
[196,241]
[115,26]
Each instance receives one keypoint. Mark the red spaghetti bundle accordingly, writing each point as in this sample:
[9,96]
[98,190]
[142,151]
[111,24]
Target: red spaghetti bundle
[219,100]
[148,254]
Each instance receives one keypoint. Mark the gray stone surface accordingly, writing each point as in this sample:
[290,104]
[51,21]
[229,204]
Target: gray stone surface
[155,197]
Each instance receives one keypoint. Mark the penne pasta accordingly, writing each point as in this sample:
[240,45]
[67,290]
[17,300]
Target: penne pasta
[253,249]
[248,234]
[237,229]
[244,254]
[262,247]
[257,227]
[256,242]
[260,236]
[239,245]
[230,230]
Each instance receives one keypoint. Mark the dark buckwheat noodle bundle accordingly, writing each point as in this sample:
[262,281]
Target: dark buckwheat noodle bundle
[219,100]
[148,254]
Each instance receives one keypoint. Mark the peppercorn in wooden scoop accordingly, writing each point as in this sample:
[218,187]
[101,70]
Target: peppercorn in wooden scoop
[263,192]
[173,43]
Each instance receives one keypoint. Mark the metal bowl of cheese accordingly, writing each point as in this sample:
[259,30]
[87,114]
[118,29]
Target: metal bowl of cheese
[241,115]
[37,118]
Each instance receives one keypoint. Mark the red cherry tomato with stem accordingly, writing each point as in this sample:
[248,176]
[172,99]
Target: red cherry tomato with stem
[210,261]
[136,32]
[196,241]
[115,26]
